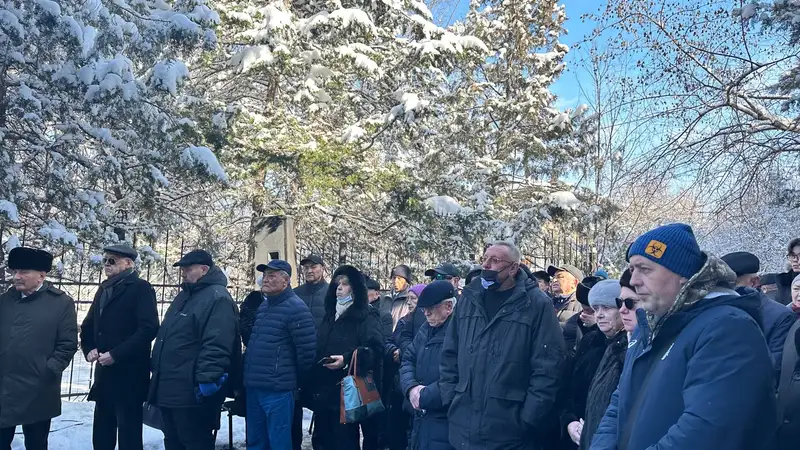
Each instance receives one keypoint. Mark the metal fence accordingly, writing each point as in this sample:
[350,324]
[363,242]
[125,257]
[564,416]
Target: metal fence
[554,245]
[79,274]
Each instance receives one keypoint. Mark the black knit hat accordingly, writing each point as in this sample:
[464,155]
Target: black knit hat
[26,258]
[625,280]
[372,284]
[582,292]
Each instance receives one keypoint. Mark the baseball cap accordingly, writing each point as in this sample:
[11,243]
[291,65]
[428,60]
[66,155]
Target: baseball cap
[275,265]
[444,269]
[574,271]
[312,259]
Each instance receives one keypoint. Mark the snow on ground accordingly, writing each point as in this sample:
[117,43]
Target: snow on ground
[73,431]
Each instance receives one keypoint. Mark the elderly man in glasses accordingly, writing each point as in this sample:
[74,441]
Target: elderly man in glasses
[116,333]
[501,359]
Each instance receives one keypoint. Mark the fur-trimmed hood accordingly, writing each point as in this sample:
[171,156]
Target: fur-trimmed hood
[714,277]
[359,308]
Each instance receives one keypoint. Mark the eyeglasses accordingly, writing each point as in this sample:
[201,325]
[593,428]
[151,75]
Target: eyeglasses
[630,303]
[109,261]
[793,257]
[441,276]
[494,260]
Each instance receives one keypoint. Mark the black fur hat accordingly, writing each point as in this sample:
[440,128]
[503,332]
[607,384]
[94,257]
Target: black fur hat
[26,258]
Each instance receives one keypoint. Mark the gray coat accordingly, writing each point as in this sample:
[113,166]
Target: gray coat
[500,375]
[38,339]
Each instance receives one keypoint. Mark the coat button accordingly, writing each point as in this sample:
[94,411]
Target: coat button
[796,376]
[787,421]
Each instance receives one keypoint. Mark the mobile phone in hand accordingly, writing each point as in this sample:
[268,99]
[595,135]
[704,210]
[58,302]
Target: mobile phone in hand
[325,360]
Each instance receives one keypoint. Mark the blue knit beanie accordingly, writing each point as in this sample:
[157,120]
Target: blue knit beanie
[672,246]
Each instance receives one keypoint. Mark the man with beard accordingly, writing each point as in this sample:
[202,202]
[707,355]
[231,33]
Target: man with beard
[116,333]
[501,358]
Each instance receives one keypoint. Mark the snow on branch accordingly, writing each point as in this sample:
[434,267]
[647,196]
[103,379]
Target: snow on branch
[204,158]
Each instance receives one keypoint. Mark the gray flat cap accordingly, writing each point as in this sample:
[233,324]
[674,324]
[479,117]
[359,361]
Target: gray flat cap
[122,250]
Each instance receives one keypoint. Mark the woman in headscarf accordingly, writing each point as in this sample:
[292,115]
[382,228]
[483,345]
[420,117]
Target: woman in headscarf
[349,325]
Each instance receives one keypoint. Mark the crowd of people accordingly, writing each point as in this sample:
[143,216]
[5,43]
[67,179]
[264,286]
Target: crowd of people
[685,350]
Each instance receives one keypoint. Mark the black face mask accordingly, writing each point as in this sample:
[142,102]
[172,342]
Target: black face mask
[490,279]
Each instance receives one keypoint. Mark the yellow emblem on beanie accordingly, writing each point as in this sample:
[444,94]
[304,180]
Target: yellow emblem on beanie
[656,249]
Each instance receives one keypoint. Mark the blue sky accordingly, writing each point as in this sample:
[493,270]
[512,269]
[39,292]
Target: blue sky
[566,87]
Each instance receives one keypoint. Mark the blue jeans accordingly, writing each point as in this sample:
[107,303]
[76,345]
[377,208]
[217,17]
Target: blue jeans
[269,419]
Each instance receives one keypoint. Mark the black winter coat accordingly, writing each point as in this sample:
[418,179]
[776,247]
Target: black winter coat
[777,320]
[566,309]
[197,343]
[421,367]
[125,326]
[359,327]
[789,392]
[578,378]
[603,385]
[500,375]
[413,323]
[282,345]
[38,339]
[784,283]
[314,297]
[247,314]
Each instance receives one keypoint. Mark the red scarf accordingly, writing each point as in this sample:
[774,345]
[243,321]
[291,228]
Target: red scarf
[795,308]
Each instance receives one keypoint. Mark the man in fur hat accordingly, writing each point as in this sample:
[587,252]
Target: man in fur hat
[38,338]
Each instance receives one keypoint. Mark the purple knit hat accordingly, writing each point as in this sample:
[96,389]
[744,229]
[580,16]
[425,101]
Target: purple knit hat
[417,289]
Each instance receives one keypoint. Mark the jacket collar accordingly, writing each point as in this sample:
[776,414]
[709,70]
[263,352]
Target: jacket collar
[283,295]
[714,278]
[17,295]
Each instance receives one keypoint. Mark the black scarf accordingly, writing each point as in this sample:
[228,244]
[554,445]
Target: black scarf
[107,287]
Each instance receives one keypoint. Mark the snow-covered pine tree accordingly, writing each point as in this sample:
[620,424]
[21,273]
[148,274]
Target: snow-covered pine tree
[490,165]
[94,129]
[321,100]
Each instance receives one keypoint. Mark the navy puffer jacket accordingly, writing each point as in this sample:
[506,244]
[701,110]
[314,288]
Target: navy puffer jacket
[282,344]
[421,367]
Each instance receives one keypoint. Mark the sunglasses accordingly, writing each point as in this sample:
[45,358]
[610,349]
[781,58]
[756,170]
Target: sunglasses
[109,261]
[630,303]
[441,276]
